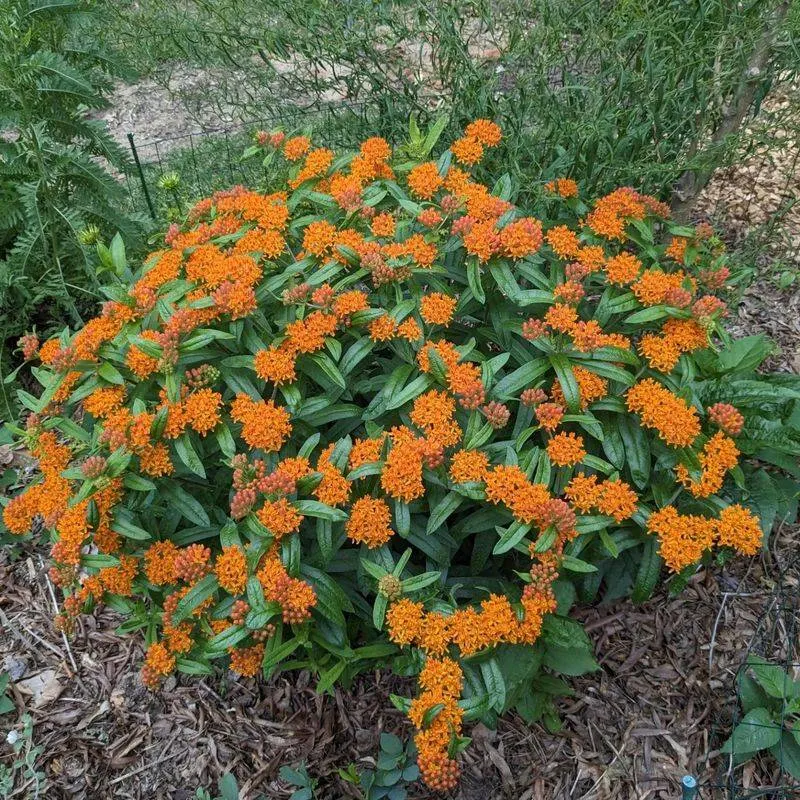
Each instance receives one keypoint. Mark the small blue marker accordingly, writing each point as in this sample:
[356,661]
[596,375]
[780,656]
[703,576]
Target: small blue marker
[689,784]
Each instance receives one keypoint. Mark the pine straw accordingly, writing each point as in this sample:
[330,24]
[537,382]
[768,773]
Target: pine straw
[652,714]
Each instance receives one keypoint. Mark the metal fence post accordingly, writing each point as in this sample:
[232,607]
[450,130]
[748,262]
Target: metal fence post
[141,176]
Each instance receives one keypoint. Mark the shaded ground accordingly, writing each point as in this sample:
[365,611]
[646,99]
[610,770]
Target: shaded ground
[654,713]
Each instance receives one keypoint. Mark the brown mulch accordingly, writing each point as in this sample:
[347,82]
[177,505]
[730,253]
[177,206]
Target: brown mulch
[654,713]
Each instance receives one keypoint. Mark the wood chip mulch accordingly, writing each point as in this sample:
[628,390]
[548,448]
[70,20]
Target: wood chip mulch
[655,712]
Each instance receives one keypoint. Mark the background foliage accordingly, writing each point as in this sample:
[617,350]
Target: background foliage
[617,93]
[56,166]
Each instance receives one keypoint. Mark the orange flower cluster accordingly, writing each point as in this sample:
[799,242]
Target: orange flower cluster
[401,477]
[655,287]
[231,569]
[727,418]
[623,269]
[437,308]
[280,517]
[674,419]
[481,133]
[564,187]
[591,388]
[684,538]
[468,466]
[720,454]
[678,336]
[469,629]
[334,488]
[296,597]
[158,663]
[369,522]
[49,497]
[566,449]
[159,560]
[264,424]
[440,681]
[275,365]
[613,498]
[611,213]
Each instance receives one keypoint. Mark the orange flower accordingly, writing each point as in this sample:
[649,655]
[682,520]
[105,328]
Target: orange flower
[564,242]
[653,286]
[661,352]
[623,269]
[369,522]
[592,257]
[19,514]
[561,318]
[617,500]
[424,180]
[349,303]
[421,252]
[280,517]
[404,621]
[246,661]
[564,187]
[154,460]
[682,538]
[521,238]
[102,402]
[334,488]
[434,413]
[264,424]
[365,451]
[231,569]
[409,330]
[119,580]
[275,365]
[566,449]
[719,455]
[591,387]
[383,225]
[402,474]
[738,528]
[488,133]
[296,147]
[383,328]
[375,149]
[141,365]
[319,237]
[159,562]
[202,410]
[158,663]
[583,492]
[482,240]
[674,419]
[468,465]
[610,214]
[437,308]
[467,150]
[503,483]
[677,249]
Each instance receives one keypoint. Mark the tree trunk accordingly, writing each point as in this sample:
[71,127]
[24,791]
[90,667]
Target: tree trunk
[691,183]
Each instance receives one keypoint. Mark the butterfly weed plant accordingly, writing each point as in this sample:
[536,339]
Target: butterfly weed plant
[379,415]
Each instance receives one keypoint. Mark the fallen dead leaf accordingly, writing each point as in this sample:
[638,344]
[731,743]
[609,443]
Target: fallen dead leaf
[43,687]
